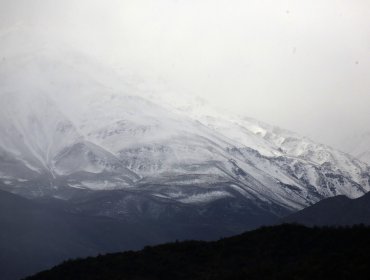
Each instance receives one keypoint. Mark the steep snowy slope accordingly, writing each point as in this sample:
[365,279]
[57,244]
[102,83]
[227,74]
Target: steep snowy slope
[167,148]
[320,168]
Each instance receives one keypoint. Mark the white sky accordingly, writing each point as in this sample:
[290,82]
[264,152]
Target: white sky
[303,65]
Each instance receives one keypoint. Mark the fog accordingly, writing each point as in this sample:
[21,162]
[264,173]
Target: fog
[301,65]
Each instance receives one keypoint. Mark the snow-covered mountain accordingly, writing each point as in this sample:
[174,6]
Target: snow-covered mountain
[71,125]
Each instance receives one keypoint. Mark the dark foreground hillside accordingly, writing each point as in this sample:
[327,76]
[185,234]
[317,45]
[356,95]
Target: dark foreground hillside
[279,252]
[334,211]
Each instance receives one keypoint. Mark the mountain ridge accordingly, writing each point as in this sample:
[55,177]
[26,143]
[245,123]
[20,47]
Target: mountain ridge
[334,211]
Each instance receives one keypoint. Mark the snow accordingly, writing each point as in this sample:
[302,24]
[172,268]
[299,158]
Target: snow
[205,197]
[96,185]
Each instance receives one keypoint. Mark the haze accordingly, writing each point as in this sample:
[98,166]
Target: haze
[301,65]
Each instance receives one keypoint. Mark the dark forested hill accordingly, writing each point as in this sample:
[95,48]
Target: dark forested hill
[279,252]
[339,210]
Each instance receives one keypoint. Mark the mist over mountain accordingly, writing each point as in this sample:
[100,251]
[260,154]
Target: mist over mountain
[359,146]
[268,60]
[73,123]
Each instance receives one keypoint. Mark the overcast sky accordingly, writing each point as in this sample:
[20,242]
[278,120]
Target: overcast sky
[303,65]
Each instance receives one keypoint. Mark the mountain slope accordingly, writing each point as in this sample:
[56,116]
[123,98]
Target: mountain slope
[320,168]
[73,125]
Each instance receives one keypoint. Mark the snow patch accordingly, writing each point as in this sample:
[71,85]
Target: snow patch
[205,197]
